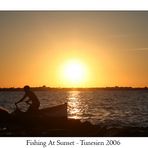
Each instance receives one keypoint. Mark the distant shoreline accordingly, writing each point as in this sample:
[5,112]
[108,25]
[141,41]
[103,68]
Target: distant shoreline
[44,88]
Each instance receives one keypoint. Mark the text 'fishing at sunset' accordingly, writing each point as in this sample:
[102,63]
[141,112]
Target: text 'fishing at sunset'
[74,73]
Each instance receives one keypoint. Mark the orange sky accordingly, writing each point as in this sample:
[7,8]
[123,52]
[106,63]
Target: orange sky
[34,46]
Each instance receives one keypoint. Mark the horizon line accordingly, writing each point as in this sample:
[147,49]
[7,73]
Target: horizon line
[97,87]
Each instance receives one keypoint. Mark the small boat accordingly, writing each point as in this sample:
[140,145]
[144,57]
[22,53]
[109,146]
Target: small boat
[59,111]
[46,116]
[51,121]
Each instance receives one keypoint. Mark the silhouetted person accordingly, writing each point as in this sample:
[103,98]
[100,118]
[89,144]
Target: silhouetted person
[32,100]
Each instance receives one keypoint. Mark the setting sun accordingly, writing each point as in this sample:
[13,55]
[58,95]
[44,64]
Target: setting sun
[73,49]
[74,73]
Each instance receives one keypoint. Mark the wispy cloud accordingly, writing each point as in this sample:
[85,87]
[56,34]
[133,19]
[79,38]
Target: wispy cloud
[141,49]
[120,35]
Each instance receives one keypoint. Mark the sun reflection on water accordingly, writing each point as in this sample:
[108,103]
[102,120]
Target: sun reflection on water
[82,106]
[74,104]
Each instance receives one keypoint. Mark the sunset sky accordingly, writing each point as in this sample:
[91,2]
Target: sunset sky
[95,49]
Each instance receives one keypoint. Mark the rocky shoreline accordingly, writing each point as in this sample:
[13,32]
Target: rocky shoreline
[70,128]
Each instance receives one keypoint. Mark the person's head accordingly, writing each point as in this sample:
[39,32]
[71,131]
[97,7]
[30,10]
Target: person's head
[26,88]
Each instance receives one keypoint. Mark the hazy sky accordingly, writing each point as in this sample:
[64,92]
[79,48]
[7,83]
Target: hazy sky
[112,45]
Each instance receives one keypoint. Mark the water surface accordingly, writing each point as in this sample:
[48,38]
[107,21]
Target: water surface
[106,107]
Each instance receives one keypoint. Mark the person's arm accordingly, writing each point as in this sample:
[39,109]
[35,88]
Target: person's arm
[28,101]
[21,99]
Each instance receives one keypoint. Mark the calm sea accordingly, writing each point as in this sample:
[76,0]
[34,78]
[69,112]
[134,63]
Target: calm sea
[112,108]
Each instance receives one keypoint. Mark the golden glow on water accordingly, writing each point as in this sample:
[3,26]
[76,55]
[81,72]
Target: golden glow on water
[81,105]
[74,104]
